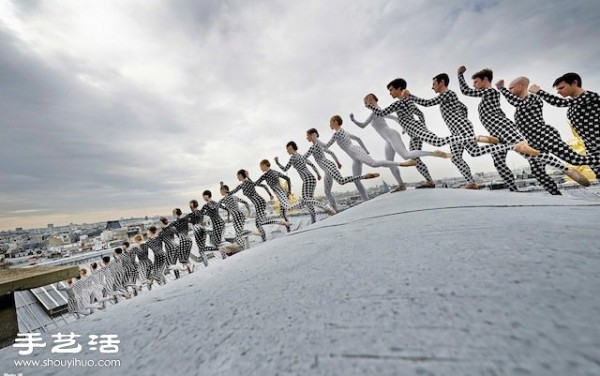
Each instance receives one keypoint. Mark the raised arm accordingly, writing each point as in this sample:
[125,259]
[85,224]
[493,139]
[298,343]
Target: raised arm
[362,125]
[510,97]
[466,90]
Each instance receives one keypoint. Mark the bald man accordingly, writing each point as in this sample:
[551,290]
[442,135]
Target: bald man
[583,113]
[529,120]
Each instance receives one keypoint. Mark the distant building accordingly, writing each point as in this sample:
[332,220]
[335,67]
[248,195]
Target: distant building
[113,225]
[17,252]
[50,225]
[19,229]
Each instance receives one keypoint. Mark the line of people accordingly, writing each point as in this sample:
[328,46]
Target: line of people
[529,135]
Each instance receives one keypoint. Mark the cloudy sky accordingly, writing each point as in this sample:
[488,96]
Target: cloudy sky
[123,108]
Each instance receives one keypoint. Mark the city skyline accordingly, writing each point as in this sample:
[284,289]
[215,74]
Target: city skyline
[112,109]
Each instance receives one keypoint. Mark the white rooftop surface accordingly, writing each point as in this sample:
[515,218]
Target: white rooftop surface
[423,282]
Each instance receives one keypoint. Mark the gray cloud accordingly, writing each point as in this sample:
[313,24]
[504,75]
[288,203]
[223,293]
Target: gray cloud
[142,105]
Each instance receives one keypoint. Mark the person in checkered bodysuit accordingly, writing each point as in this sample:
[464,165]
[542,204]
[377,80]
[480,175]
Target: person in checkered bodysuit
[113,275]
[155,243]
[248,188]
[495,121]
[583,112]
[96,284]
[309,182]
[118,270]
[358,153]
[130,265]
[181,225]
[529,119]
[454,113]
[84,290]
[146,266]
[417,130]
[230,203]
[318,150]
[168,236]
[211,210]
[271,177]
[72,303]
[196,217]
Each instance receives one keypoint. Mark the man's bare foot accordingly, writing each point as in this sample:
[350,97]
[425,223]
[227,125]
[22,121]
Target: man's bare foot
[408,163]
[441,154]
[427,184]
[471,186]
[371,175]
[524,148]
[399,188]
[577,177]
[487,139]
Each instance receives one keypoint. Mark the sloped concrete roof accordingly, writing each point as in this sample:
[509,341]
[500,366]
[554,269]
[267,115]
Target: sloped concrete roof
[435,282]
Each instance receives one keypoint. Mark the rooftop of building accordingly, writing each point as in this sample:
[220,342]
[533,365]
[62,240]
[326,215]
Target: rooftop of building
[430,282]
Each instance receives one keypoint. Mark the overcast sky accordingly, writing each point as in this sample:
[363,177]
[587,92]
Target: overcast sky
[123,108]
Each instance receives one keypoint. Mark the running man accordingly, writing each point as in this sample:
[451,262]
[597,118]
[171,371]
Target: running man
[230,203]
[583,112]
[182,226]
